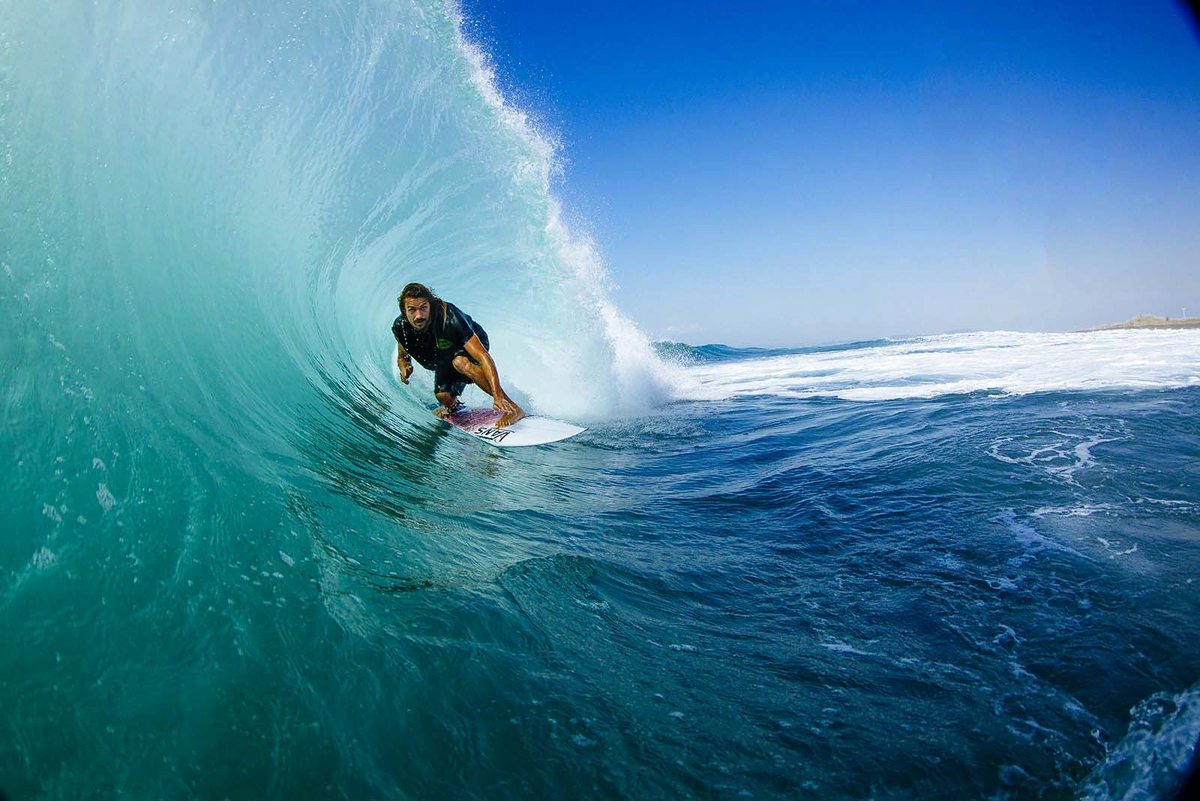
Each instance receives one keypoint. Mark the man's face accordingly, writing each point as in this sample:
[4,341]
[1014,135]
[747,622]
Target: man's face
[417,312]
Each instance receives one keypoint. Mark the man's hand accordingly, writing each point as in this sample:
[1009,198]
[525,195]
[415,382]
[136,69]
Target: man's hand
[512,412]
[405,365]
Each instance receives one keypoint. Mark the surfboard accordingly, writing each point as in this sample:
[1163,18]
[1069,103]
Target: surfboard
[481,424]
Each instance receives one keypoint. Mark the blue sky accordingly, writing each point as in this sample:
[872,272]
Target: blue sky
[778,174]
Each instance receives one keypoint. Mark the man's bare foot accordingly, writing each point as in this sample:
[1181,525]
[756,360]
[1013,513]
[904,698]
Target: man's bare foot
[508,418]
[445,411]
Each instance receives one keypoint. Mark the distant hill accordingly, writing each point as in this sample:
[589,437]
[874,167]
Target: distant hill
[1150,321]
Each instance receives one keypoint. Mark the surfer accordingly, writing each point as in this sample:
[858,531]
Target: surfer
[444,339]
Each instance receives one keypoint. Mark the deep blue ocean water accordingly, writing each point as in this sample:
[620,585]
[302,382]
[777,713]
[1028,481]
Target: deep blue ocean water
[238,559]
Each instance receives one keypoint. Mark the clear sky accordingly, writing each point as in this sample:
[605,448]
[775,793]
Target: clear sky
[791,173]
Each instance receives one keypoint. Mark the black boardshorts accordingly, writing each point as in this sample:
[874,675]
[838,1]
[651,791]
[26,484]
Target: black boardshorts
[446,378]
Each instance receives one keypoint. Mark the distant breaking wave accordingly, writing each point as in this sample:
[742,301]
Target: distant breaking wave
[997,363]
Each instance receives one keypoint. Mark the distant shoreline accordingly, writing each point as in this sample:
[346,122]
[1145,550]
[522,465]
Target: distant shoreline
[1150,321]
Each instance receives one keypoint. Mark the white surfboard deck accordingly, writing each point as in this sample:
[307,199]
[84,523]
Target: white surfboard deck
[481,424]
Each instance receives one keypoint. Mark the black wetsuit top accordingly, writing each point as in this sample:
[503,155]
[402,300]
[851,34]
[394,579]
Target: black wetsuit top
[444,338]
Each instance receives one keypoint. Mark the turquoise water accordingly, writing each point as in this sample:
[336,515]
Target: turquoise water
[239,559]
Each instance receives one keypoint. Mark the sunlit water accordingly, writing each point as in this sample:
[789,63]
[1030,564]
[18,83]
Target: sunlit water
[239,559]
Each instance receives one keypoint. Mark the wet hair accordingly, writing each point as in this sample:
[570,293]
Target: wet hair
[415,290]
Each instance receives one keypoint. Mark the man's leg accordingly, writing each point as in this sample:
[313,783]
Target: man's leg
[478,376]
[446,388]
[474,372]
[449,403]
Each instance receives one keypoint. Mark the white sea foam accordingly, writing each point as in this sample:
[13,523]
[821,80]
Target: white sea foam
[105,497]
[1003,363]
[1086,510]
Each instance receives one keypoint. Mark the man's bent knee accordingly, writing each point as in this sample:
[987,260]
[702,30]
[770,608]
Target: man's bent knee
[471,370]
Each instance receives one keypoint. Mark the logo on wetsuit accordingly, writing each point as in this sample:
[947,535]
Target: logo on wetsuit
[445,344]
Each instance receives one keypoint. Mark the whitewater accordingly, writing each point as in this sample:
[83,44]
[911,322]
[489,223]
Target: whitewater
[239,559]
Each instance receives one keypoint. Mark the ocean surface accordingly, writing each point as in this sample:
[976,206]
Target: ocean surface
[238,559]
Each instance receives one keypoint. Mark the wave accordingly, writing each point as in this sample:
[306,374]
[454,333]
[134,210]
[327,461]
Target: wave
[1157,756]
[210,211]
[682,353]
[1003,363]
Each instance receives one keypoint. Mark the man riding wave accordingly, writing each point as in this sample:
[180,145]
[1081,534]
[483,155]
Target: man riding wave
[444,339]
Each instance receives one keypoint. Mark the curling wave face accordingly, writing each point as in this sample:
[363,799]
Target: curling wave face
[225,202]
